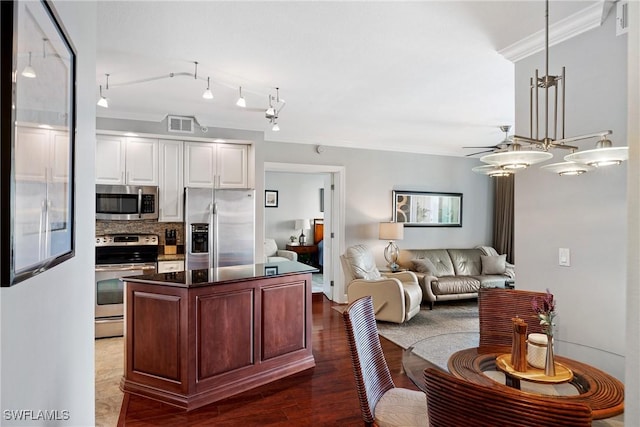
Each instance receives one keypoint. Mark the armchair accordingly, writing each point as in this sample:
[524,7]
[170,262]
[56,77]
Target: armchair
[273,254]
[396,296]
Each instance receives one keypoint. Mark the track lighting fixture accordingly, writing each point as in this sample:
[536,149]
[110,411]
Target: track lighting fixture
[103,101]
[207,93]
[275,104]
[28,71]
[241,102]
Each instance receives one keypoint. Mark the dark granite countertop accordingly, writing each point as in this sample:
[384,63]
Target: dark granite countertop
[222,275]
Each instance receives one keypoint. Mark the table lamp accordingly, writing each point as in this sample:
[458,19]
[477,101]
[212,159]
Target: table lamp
[302,224]
[391,231]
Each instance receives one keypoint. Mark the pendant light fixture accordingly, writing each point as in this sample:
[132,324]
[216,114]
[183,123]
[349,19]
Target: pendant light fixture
[492,171]
[241,102]
[103,101]
[538,146]
[28,71]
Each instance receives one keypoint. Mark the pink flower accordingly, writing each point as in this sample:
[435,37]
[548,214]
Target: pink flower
[545,307]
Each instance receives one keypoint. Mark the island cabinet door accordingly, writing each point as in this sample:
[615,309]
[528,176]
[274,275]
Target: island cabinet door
[224,331]
[284,318]
[157,337]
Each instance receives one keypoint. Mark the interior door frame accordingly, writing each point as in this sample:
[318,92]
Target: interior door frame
[334,221]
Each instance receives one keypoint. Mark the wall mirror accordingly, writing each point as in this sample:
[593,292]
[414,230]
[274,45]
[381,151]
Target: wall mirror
[38,130]
[426,209]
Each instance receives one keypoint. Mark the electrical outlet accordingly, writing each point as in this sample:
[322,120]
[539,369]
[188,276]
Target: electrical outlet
[564,257]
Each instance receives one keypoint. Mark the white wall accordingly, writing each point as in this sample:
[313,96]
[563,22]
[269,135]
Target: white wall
[298,198]
[46,340]
[372,175]
[587,213]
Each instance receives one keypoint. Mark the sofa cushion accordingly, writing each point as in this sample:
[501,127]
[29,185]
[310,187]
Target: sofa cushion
[455,285]
[363,264]
[424,266]
[439,258]
[466,262]
[494,264]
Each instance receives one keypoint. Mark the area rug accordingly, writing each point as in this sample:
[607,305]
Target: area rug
[446,317]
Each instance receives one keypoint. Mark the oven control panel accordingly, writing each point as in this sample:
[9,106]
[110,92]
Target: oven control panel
[127,240]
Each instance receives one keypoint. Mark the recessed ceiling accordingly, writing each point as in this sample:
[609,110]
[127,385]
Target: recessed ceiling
[422,77]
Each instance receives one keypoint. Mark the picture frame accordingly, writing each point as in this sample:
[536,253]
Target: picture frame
[271,270]
[37,134]
[427,209]
[270,198]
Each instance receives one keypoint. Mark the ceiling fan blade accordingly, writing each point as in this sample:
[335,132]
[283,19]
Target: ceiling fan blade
[480,146]
[479,152]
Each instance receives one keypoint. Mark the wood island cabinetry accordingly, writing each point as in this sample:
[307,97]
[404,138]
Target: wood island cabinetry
[196,337]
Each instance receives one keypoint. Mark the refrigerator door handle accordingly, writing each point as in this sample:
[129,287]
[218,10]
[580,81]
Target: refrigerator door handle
[213,233]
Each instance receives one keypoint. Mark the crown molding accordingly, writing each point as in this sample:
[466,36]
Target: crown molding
[587,19]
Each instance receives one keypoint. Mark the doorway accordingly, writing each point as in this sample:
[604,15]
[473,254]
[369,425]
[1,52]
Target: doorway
[322,198]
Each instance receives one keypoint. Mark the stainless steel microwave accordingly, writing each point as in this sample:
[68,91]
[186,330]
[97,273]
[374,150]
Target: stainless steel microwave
[126,202]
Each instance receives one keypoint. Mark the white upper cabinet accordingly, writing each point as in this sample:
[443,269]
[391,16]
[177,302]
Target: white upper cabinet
[123,160]
[232,166]
[170,181]
[110,162]
[200,164]
[216,165]
[141,161]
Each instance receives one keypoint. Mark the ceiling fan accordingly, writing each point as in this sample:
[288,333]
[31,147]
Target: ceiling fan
[501,146]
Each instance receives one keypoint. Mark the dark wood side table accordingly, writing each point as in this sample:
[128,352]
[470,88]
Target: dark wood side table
[307,254]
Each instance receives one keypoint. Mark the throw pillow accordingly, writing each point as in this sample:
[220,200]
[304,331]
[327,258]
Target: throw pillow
[494,264]
[425,266]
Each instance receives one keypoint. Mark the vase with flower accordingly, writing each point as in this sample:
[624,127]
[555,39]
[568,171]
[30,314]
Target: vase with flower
[545,308]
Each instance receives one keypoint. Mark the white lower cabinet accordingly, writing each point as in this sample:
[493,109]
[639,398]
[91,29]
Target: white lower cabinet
[170,266]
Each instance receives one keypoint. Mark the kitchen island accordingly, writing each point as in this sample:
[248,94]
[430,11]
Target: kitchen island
[199,336]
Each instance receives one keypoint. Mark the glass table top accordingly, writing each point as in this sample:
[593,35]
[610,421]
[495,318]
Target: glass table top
[436,351]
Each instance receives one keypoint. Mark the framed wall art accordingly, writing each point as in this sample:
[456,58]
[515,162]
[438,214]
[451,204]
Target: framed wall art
[38,123]
[426,209]
[270,199]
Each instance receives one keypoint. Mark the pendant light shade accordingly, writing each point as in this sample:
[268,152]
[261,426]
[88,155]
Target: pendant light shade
[516,159]
[600,157]
[492,171]
[567,168]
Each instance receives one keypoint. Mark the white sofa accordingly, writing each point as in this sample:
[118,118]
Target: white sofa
[273,254]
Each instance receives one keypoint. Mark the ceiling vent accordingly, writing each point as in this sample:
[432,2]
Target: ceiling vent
[181,124]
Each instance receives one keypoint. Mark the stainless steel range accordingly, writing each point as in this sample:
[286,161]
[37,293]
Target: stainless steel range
[118,256]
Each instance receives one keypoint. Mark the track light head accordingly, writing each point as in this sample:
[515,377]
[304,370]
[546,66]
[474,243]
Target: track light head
[241,102]
[207,93]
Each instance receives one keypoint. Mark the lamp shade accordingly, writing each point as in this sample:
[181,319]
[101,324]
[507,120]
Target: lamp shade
[600,156]
[302,224]
[391,231]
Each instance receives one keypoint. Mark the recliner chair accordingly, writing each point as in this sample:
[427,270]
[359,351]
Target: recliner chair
[396,296]
[273,254]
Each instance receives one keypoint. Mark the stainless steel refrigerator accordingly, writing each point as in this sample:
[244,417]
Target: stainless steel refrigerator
[219,227]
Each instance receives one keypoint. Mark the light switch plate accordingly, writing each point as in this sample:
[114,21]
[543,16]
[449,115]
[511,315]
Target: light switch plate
[564,257]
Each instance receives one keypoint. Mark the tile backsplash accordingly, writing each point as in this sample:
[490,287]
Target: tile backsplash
[141,227]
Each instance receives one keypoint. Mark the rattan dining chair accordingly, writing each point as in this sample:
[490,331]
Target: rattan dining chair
[496,308]
[381,402]
[454,402]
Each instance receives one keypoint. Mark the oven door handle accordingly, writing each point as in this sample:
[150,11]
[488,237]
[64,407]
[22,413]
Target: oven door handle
[126,267]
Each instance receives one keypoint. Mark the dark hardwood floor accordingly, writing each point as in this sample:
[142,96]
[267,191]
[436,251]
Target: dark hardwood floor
[324,395]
